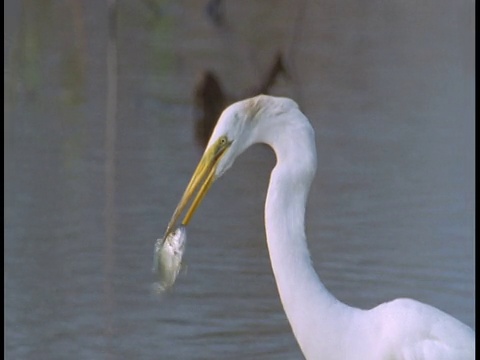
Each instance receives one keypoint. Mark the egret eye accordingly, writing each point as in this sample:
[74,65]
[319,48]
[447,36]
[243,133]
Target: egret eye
[221,145]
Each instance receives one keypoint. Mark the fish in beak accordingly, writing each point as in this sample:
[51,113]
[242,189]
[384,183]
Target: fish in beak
[168,252]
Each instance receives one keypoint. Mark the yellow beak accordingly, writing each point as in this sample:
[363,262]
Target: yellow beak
[202,179]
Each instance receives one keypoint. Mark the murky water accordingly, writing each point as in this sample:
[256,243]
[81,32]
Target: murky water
[99,146]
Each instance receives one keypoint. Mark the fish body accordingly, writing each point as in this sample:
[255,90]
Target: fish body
[168,254]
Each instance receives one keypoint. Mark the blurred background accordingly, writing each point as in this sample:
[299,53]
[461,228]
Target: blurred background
[106,107]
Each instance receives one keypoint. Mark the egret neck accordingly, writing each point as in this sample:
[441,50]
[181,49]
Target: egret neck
[304,298]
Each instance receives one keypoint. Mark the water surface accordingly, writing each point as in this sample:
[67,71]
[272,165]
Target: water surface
[99,144]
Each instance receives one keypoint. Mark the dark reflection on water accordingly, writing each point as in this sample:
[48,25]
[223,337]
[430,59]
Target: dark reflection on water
[99,146]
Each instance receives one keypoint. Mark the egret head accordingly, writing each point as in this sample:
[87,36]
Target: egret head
[239,126]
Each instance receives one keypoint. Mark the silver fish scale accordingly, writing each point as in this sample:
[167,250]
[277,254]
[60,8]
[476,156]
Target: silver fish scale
[168,253]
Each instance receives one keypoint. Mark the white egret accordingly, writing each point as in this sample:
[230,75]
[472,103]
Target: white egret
[324,327]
